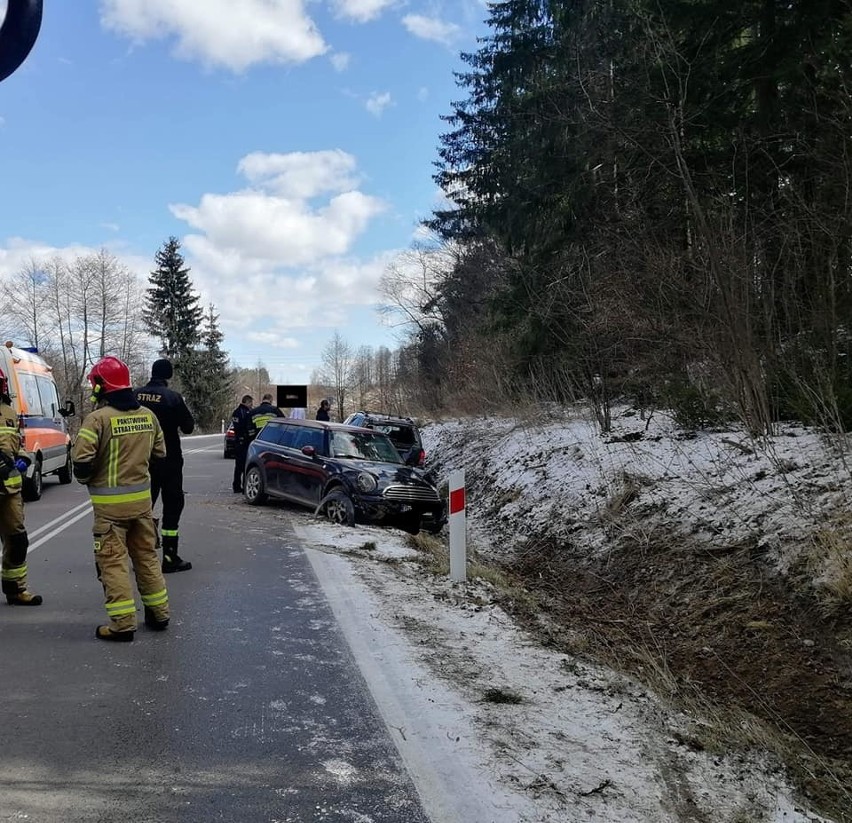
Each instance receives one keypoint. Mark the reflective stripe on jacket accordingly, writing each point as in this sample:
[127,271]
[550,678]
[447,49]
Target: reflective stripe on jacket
[260,416]
[119,445]
[10,446]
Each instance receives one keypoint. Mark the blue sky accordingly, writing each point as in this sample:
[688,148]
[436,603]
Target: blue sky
[289,144]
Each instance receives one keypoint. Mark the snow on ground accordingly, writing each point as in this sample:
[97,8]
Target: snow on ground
[582,743]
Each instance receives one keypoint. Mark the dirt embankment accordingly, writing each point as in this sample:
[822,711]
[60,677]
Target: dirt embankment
[712,625]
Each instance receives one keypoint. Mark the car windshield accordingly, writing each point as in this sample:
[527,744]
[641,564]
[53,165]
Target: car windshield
[401,435]
[363,446]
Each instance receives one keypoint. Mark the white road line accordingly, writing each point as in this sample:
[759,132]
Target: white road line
[82,510]
[205,449]
[59,529]
[84,505]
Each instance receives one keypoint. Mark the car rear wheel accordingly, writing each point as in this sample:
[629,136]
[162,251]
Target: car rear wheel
[253,487]
[32,486]
[339,508]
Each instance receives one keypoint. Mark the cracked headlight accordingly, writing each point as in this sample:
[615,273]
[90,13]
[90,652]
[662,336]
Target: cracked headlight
[366,482]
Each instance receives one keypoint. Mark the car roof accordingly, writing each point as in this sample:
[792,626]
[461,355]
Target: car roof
[390,418]
[317,424]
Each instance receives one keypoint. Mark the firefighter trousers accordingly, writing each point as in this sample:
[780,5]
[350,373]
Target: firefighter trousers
[167,478]
[122,544]
[15,544]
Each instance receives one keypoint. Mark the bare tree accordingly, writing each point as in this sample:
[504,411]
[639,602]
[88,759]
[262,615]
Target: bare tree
[24,294]
[337,371]
[410,285]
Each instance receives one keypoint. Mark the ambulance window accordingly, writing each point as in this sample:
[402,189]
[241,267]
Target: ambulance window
[49,397]
[29,389]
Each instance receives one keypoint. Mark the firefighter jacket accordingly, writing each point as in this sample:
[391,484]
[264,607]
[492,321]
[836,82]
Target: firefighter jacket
[10,450]
[171,412]
[111,456]
[260,416]
[241,418]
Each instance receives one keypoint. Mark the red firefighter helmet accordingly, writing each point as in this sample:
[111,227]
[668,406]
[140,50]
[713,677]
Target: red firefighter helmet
[111,374]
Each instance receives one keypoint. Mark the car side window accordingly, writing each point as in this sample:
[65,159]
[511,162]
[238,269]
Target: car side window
[308,437]
[29,388]
[286,435]
[316,440]
[48,395]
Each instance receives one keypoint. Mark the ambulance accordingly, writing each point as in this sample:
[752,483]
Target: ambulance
[41,417]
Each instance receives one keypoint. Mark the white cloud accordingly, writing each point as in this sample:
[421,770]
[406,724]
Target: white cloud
[235,35]
[280,252]
[275,230]
[273,340]
[301,175]
[431,28]
[17,252]
[361,11]
[377,102]
[340,60]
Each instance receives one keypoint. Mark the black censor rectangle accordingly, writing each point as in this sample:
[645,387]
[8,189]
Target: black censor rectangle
[292,397]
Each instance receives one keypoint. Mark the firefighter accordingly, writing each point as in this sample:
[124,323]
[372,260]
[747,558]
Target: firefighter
[13,460]
[111,456]
[167,475]
[262,414]
[241,419]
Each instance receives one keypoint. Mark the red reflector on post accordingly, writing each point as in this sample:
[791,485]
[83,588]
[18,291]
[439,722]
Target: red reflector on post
[457,500]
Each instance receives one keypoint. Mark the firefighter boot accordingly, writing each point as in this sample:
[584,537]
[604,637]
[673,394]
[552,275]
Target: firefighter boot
[152,622]
[172,561]
[106,633]
[24,598]
[17,594]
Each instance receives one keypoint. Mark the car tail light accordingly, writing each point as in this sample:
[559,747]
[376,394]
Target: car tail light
[421,458]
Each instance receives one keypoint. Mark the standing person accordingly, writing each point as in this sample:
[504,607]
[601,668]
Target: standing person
[241,419]
[322,411]
[262,414]
[167,475]
[13,460]
[111,455]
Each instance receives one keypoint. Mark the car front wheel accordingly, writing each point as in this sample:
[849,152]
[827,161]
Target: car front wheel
[253,487]
[339,508]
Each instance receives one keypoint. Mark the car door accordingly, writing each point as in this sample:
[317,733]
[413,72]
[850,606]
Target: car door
[268,453]
[305,474]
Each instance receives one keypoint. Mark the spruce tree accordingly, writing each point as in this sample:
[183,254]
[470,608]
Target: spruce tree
[205,378]
[171,311]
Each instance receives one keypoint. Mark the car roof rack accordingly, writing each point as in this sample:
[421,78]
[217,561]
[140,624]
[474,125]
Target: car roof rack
[385,414]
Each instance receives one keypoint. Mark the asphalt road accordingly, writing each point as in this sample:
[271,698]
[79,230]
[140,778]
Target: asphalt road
[249,708]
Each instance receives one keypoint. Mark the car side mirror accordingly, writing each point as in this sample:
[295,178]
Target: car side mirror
[309,451]
[69,410]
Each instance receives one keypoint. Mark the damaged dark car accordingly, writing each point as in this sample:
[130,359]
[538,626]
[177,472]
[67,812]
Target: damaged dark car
[347,473]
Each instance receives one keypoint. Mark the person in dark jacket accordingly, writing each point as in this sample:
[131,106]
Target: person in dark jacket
[262,414]
[167,475]
[241,420]
[322,411]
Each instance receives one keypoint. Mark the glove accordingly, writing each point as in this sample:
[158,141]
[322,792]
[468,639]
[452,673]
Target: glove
[21,464]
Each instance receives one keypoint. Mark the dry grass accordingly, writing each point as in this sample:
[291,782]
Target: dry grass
[829,563]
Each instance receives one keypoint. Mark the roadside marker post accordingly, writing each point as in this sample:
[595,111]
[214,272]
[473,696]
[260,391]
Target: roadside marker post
[458,531]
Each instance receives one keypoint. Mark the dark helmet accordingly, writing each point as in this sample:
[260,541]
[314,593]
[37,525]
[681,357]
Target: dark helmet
[111,374]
